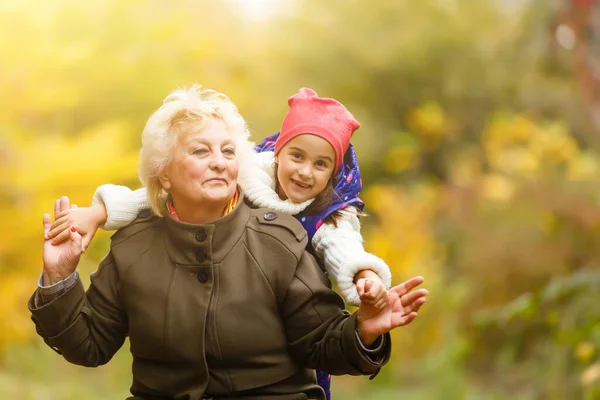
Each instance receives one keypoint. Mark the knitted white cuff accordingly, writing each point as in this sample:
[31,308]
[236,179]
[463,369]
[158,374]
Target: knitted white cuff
[121,203]
[355,263]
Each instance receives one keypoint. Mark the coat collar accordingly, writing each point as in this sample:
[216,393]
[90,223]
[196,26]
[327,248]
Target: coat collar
[205,244]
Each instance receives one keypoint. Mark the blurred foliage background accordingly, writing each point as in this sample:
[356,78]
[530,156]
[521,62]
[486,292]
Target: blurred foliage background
[479,148]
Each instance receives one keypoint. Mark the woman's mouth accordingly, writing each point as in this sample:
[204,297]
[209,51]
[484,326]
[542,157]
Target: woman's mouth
[216,181]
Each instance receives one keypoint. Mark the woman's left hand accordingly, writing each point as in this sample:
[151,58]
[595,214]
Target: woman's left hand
[60,260]
[401,308]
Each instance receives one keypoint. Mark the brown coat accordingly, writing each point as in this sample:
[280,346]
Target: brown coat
[233,308]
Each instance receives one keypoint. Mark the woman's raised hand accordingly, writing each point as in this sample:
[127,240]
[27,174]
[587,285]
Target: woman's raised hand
[85,220]
[60,260]
[401,308]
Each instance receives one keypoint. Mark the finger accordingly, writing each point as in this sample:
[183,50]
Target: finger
[369,298]
[75,241]
[58,226]
[46,222]
[381,303]
[360,287]
[56,208]
[365,299]
[85,242]
[61,237]
[379,293]
[73,205]
[416,306]
[407,286]
[382,296]
[368,285]
[62,214]
[409,298]
[64,203]
[403,320]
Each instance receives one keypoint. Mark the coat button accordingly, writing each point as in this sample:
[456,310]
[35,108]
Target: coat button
[270,216]
[144,213]
[201,255]
[203,276]
[201,235]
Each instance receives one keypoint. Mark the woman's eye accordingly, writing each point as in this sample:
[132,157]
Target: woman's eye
[229,151]
[199,151]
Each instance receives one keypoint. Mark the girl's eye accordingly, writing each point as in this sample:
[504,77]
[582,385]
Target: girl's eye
[297,156]
[321,164]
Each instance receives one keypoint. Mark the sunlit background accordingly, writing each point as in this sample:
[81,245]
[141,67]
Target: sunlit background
[479,148]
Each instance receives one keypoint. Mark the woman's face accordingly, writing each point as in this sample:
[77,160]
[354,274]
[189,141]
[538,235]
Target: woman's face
[305,165]
[204,168]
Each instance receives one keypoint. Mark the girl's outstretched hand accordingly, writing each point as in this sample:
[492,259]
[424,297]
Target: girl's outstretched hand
[401,308]
[85,220]
[60,260]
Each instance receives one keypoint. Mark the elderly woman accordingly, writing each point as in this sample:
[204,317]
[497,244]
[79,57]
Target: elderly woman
[219,300]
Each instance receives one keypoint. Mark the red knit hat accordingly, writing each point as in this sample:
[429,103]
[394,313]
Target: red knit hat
[323,117]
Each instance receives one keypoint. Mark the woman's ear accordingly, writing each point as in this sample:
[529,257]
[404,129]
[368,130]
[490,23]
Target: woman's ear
[165,182]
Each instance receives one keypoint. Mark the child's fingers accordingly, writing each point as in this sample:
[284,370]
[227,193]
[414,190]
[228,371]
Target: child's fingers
[61,237]
[60,222]
[381,303]
[57,227]
[63,213]
[378,291]
[367,300]
[360,287]
[368,285]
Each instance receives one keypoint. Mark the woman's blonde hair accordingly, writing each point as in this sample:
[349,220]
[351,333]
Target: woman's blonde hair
[167,125]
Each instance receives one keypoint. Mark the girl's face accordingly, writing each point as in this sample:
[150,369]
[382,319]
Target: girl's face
[305,165]
[204,168]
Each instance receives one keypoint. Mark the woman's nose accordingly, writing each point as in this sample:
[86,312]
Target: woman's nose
[217,162]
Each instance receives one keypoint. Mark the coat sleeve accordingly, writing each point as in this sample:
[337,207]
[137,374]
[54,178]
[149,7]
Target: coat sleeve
[342,252]
[87,328]
[322,334]
[121,203]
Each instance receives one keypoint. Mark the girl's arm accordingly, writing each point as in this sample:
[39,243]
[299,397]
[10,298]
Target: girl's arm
[113,207]
[342,252]
[121,203]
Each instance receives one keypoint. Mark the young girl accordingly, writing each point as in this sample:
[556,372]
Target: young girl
[308,170]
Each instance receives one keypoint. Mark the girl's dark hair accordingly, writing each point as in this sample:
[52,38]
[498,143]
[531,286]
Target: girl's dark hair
[323,199]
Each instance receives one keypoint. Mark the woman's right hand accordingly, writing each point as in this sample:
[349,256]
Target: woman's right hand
[402,307]
[85,220]
[60,260]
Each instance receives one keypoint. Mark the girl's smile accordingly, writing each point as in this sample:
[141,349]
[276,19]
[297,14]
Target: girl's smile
[304,166]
